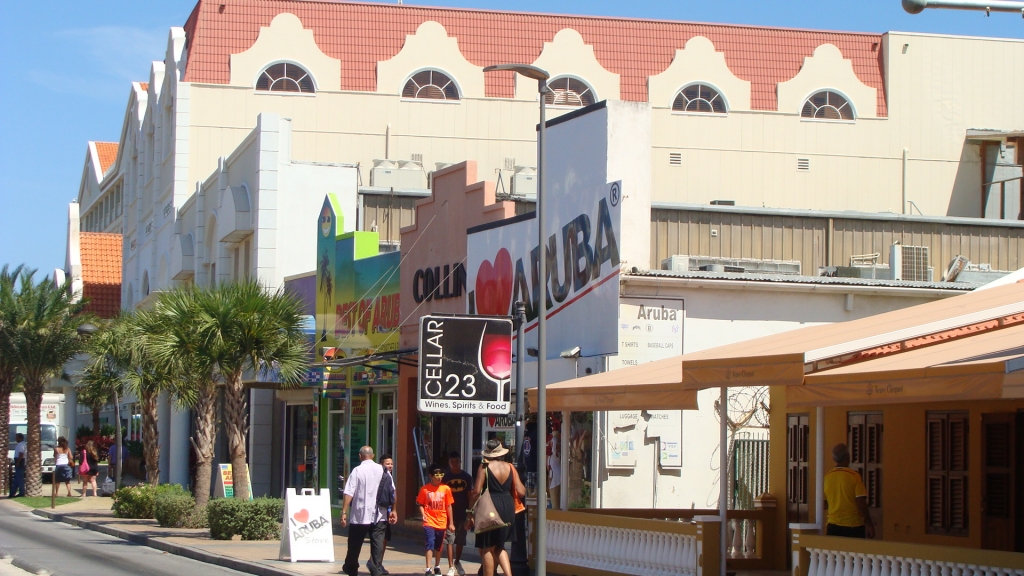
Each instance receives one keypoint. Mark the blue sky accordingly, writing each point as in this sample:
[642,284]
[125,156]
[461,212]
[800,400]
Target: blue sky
[68,68]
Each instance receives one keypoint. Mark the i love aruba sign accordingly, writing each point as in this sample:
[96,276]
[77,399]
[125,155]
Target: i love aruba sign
[306,533]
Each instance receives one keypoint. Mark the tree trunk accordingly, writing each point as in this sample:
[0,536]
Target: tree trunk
[33,465]
[96,420]
[5,424]
[150,437]
[206,439]
[236,412]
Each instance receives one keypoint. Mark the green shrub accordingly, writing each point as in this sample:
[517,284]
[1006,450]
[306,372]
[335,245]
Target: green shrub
[197,518]
[139,501]
[84,430]
[258,519]
[222,515]
[261,519]
[173,510]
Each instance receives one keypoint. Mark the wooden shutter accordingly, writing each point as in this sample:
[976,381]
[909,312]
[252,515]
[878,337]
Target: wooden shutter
[873,459]
[947,464]
[797,456]
[998,471]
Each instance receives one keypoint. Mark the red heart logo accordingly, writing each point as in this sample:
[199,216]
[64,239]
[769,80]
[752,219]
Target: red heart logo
[494,285]
[491,420]
[301,516]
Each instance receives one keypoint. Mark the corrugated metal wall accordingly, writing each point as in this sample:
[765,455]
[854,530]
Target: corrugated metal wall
[824,241]
[389,214]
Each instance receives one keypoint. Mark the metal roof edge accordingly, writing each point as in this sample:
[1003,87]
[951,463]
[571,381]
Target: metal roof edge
[850,215]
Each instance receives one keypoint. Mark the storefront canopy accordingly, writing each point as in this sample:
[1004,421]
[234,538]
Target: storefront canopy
[986,366]
[654,385]
[784,359]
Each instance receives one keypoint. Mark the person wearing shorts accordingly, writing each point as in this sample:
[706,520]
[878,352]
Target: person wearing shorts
[461,484]
[435,502]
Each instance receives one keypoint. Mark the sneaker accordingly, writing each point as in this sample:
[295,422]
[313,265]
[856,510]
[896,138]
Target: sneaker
[437,570]
[429,572]
[460,569]
[451,571]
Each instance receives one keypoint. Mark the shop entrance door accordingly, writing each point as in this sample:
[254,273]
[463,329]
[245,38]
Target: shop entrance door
[386,433]
[300,456]
[447,438]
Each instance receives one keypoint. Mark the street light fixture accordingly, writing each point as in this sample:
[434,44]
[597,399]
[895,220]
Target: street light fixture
[918,6]
[541,76]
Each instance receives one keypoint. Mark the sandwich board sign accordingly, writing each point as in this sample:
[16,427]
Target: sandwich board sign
[225,485]
[306,532]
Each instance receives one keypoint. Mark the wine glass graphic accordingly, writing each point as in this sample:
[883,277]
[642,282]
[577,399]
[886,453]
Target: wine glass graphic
[495,357]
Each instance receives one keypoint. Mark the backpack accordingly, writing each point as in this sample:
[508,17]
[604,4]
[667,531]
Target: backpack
[386,491]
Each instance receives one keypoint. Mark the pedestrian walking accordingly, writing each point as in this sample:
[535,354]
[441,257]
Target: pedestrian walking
[18,484]
[499,478]
[363,515]
[89,467]
[112,459]
[846,499]
[435,502]
[389,466]
[63,458]
[461,484]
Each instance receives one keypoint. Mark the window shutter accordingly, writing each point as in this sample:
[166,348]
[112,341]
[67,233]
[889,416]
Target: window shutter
[948,460]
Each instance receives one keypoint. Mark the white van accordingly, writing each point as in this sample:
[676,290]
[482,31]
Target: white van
[49,426]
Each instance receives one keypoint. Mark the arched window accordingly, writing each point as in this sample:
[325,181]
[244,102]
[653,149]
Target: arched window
[430,85]
[699,98]
[566,91]
[827,105]
[285,77]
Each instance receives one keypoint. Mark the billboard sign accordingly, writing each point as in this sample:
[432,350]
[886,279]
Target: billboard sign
[465,364]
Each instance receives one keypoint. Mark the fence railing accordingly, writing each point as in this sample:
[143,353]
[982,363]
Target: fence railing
[817,555]
[608,544]
[752,540]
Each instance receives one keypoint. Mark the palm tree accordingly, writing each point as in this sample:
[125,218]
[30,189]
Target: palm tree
[246,328]
[96,389]
[179,345]
[39,335]
[8,373]
[124,347]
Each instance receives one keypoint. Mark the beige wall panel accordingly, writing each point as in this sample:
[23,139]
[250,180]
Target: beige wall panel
[827,69]
[285,40]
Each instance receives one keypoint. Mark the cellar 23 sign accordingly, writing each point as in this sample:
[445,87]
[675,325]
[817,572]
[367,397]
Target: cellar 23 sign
[465,364]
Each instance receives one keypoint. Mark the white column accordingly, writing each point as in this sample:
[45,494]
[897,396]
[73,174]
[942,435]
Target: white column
[564,457]
[179,447]
[819,467]
[163,426]
[70,415]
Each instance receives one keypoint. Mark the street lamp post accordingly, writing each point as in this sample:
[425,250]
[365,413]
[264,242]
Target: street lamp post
[541,76]
[987,6]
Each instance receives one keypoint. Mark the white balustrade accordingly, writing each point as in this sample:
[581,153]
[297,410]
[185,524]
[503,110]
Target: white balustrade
[620,550]
[839,563]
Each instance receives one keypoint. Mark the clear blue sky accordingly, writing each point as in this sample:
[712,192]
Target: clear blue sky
[68,67]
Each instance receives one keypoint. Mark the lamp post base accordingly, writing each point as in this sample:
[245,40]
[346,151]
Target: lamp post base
[520,564]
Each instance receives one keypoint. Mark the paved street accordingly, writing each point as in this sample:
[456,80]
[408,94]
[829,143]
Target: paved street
[72,551]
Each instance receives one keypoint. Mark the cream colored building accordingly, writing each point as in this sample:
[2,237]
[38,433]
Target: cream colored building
[758,117]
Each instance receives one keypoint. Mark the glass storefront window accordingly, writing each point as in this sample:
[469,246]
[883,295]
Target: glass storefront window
[301,455]
[337,424]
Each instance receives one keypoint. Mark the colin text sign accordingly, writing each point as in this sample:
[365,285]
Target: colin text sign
[465,364]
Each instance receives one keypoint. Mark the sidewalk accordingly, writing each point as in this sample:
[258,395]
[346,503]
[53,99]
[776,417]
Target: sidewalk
[402,558]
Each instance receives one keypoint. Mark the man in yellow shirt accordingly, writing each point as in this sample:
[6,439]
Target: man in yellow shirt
[846,499]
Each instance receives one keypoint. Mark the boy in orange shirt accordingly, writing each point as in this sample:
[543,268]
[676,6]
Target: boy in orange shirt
[435,501]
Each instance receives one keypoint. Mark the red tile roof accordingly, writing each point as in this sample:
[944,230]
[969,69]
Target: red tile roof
[144,85]
[107,152]
[360,35]
[101,272]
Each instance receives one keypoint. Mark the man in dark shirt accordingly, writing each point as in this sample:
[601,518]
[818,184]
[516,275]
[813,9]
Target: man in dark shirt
[460,482]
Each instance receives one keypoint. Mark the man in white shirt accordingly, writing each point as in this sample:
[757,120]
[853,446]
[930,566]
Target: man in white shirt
[362,515]
[18,483]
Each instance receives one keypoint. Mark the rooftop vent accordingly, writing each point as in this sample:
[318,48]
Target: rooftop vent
[675,158]
[684,263]
[803,164]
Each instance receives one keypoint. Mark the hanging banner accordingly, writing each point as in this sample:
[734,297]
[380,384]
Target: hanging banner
[465,364]
[667,427]
[306,533]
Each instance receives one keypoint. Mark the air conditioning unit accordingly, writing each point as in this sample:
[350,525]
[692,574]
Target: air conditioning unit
[398,174]
[524,181]
[909,263]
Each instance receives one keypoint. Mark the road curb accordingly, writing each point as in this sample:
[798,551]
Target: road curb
[166,546]
[30,567]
